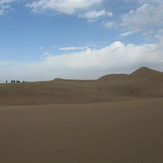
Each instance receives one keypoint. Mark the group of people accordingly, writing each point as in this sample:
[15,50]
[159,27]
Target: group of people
[15,81]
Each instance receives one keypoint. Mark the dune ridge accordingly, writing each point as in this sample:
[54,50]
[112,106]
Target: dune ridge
[143,83]
[141,73]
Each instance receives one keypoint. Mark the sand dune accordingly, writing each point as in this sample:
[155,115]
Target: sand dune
[115,119]
[142,73]
[146,73]
[143,83]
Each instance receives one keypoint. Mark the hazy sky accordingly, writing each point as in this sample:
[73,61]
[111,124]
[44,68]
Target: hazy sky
[78,39]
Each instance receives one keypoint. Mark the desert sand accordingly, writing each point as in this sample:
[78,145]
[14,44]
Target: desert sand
[115,119]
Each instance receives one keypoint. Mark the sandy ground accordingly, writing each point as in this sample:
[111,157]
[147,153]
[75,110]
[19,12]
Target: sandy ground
[114,132]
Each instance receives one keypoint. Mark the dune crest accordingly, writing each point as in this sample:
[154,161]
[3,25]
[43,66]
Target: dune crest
[143,83]
[141,73]
[113,77]
[147,73]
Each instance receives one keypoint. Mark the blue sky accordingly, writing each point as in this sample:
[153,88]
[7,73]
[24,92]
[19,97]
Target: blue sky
[78,39]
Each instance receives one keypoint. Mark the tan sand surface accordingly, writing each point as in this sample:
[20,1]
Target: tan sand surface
[113,132]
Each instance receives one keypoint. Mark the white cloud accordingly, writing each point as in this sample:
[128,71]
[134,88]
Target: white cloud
[87,64]
[127,33]
[46,54]
[147,14]
[93,15]
[72,48]
[5,6]
[62,6]
[147,19]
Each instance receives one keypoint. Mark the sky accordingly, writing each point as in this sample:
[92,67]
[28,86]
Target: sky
[78,39]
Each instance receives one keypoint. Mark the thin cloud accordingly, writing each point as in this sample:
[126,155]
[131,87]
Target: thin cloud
[63,6]
[124,34]
[93,15]
[72,48]
[147,14]
[5,5]
[147,19]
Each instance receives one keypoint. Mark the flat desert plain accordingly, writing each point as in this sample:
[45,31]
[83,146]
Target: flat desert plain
[115,119]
